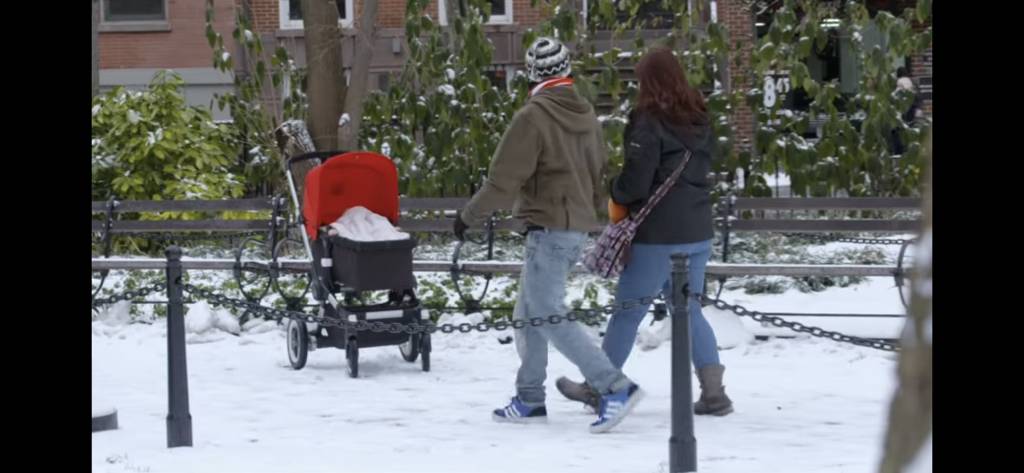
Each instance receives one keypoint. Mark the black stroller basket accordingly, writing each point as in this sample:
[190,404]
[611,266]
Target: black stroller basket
[343,264]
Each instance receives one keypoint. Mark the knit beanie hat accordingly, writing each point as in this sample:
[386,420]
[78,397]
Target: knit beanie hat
[547,58]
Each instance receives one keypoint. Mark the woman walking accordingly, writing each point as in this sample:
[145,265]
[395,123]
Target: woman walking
[670,118]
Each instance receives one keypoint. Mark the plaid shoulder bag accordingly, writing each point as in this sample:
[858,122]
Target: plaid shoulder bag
[610,253]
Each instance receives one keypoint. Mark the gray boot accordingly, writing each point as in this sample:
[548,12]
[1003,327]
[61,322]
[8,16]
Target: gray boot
[712,400]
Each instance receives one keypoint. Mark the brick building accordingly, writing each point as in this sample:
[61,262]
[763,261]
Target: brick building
[138,37]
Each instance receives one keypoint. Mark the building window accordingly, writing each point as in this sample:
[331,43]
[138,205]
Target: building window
[499,8]
[134,10]
[120,16]
[650,14]
[501,12]
[291,14]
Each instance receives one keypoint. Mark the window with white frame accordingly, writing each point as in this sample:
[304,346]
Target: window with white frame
[135,11]
[286,83]
[501,12]
[290,12]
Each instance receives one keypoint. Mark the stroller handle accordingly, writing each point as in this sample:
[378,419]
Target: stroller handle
[314,155]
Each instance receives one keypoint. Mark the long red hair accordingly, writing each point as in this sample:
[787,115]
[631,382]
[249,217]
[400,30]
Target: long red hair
[665,92]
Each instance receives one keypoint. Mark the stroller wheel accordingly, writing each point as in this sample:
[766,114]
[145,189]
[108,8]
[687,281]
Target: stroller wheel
[411,348]
[425,351]
[298,343]
[352,355]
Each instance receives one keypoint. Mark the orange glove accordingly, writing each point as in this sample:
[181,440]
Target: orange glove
[616,212]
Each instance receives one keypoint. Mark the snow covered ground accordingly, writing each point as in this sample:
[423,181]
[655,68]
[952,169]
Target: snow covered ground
[802,405]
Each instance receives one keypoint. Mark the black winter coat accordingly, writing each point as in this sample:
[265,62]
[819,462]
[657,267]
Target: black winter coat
[653,150]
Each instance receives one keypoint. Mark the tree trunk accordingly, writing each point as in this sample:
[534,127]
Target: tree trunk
[348,133]
[324,74]
[910,415]
[95,48]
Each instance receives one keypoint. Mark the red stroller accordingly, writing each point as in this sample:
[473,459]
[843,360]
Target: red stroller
[347,268]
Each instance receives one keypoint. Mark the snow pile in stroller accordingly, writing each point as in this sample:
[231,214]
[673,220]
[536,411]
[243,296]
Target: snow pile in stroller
[360,224]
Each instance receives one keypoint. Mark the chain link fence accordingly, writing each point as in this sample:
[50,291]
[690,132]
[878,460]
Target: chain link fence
[799,327]
[592,317]
[129,295]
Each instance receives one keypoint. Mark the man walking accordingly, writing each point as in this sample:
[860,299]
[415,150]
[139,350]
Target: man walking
[550,164]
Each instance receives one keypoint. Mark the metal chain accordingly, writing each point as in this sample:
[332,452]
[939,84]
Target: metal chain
[130,294]
[588,316]
[864,241]
[799,327]
[466,310]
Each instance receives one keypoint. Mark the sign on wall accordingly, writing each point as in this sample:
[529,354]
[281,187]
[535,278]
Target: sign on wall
[777,85]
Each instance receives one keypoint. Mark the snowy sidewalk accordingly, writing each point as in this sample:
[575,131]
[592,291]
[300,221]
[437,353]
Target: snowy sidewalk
[803,405]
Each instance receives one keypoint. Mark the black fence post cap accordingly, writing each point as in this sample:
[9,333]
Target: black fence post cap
[173,253]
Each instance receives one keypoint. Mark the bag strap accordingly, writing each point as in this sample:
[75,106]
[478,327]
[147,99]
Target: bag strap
[662,190]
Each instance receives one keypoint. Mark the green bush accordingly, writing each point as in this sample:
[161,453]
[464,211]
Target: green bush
[151,145]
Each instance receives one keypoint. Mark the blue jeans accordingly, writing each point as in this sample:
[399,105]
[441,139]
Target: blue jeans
[649,271]
[549,256]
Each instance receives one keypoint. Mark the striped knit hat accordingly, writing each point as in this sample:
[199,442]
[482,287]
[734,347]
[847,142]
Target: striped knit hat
[547,58]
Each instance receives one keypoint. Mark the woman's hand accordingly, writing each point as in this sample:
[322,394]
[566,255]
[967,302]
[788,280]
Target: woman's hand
[616,212]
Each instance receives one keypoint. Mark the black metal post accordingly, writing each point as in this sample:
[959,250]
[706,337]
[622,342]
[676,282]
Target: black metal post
[727,222]
[682,446]
[726,216]
[179,421]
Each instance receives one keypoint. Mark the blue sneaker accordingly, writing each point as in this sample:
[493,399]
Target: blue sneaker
[614,407]
[518,413]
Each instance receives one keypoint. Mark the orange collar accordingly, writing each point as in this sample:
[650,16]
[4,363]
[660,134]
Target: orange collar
[551,83]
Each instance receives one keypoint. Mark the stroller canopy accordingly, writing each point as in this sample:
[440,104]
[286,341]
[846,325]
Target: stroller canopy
[353,179]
